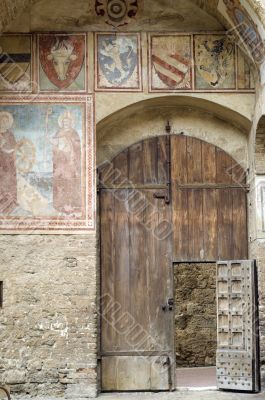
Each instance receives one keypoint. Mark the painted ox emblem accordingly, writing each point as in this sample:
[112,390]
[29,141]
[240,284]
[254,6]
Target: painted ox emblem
[62,58]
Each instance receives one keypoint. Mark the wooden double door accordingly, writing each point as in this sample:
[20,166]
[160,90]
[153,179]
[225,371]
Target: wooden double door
[166,199]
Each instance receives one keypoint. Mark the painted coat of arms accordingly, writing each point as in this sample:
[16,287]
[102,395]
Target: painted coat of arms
[62,60]
[118,62]
[170,63]
[214,62]
[15,63]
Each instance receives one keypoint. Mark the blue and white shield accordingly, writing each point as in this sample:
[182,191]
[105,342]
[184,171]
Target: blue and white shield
[117,58]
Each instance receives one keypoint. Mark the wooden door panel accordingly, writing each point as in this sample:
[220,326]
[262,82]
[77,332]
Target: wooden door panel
[135,373]
[142,284]
[202,217]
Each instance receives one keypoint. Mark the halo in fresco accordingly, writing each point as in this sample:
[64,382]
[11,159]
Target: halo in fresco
[46,164]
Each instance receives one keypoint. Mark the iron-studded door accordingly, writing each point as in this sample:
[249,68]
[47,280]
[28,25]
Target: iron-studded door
[237,338]
[137,311]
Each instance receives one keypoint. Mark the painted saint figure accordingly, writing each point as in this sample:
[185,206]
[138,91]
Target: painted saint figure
[67,167]
[8,174]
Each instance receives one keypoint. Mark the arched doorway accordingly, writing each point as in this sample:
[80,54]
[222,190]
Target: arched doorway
[163,200]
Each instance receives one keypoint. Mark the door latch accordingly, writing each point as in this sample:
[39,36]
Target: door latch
[169,306]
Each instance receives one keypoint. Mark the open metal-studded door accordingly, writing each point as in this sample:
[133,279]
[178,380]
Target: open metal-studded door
[237,329]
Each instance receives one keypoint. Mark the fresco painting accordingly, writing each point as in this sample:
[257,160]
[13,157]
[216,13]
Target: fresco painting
[46,165]
[15,63]
[214,62]
[242,23]
[117,12]
[171,60]
[118,62]
[62,62]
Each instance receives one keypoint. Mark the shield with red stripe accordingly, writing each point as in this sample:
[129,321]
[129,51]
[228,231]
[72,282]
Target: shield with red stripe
[173,70]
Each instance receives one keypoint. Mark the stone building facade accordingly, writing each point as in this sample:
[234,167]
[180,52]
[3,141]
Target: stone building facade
[49,320]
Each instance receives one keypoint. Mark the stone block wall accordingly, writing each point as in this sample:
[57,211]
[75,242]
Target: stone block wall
[48,321]
[195,315]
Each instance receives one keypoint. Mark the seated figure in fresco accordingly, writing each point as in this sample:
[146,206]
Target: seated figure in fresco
[8,173]
[67,197]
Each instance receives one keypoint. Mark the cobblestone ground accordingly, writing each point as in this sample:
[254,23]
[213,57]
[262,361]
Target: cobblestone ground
[184,395]
[178,395]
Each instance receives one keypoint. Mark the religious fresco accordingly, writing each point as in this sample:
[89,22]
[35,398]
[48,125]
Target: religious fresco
[214,58]
[117,12]
[245,27]
[15,63]
[62,62]
[170,62]
[47,164]
[118,64]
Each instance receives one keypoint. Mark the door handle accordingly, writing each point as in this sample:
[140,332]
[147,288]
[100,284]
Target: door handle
[169,306]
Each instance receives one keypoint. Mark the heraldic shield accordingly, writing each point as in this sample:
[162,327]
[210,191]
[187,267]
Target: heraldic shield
[15,59]
[117,57]
[62,58]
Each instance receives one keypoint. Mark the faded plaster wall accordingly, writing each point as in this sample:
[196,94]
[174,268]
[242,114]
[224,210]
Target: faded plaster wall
[134,124]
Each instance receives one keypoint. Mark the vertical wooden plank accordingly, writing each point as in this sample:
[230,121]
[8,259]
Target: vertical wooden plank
[107,174]
[136,163]
[195,206]
[138,267]
[208,163]
[162,160]
[150,154]
[225,224]
[122,266]
[223,167]
[121,167]
[178,160]
[107,267]
[239,237]
[152,297]
[164,281]
[180,220]
[210,226]
[194,160]
[238,174]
